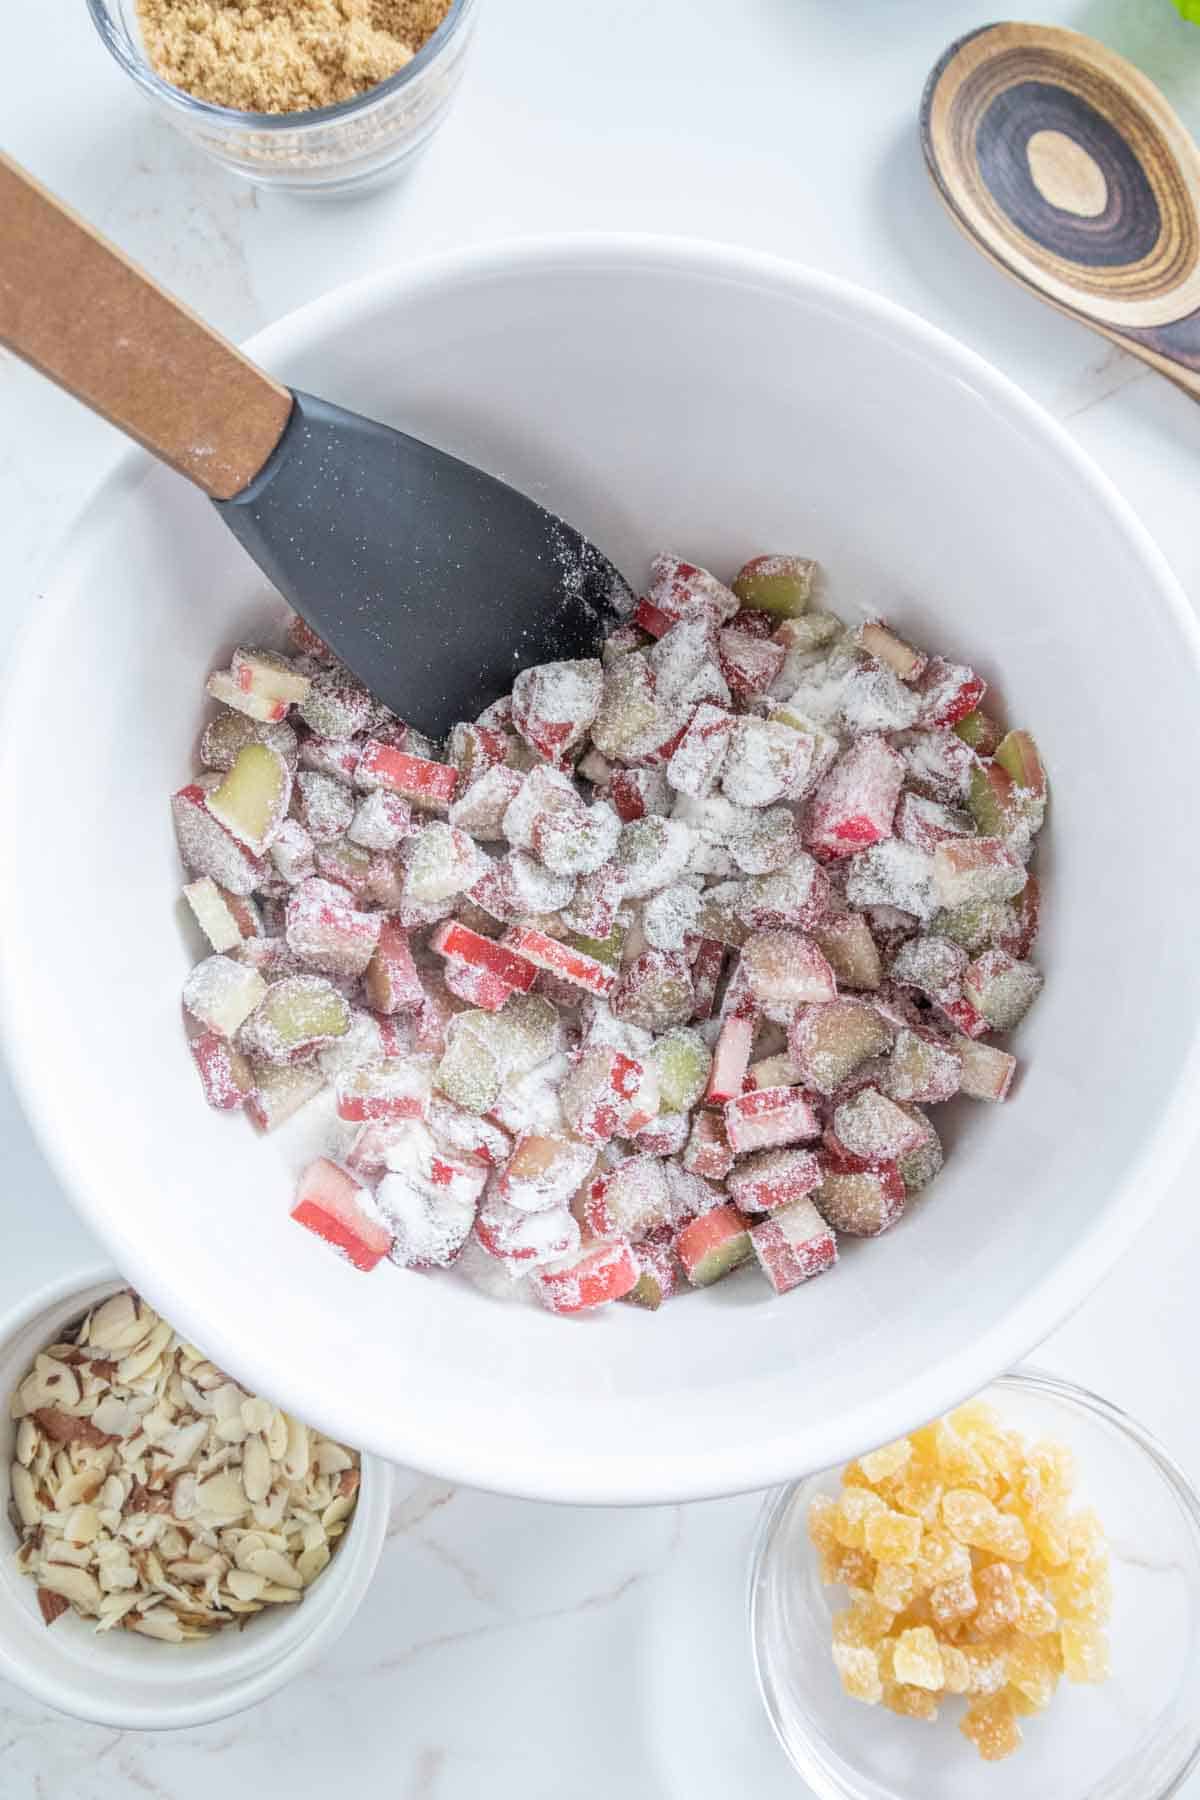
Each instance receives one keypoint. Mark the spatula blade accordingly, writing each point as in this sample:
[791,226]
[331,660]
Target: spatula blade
[432,580]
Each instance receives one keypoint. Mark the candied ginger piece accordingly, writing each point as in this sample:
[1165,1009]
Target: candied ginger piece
[942,1559]
[858,1666]
[956,1670]
[894,1586]
[864,1622]
[1037,1616]
[854,1508]
[1006,1537]
[854,1569]
[985,1668]
[968,1515]
[960,1463]
[1046,1475]
[918,1659]
[1048,1535]
[998,1603]
[977,1418]
[821,1521]
[892,1537]
[1084,1652]
[889,1459]
[918,1492]
[992,1727]
[911,1702]
[1032,1669]
[952,1601]
[1082,1593]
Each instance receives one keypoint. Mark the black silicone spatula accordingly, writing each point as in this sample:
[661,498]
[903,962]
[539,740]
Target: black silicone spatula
[432,580]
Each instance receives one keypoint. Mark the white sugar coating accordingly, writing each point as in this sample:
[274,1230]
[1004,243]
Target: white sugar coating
[712,817]
[690,1195]
[495,1276]
[680,654]
[602,1027]
[932,964]
[546,1170]
[787,892]
[376,824]
[221,993]
[637,1197]
[769,841]
[766,762]
[696,762]
[362,1044]
[229,733]
[208,849]
[292,852]
[326,805]
[535,888]
[543,790]
[670,915]
[875,699]
[579,840]
[430,1225]
[561,693]
[481,809]
[871,1125]
[892,874]
[819,691]
[938,763]
[708,683]
[530,1102]
[652,853]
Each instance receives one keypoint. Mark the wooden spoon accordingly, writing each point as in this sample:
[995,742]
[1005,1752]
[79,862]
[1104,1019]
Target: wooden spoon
[1068,168]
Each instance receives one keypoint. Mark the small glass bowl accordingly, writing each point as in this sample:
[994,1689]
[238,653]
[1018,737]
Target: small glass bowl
[1136,1737]
[328,150]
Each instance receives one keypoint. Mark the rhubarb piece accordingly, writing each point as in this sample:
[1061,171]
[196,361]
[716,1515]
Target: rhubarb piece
[767,762]
[798,898]
[748,662]
[294,1018]
[670,917]
[828,1043]
[772,1071]
[701,752]
[962,1016]
[458,944]
[987,1071]
[259,684]
[896,875]
[719,920]
[601,1275]
[221,993]
[666,1135]
[768,1118]
[441,861]
[362,1043]
[731,1059]
[873,1129]
[682,590]
[529,1031]
[971,869]
[544,1170]
[785,970]
[927,823]
[855,802]
[225,1074]
[338,1209]
[560,959]
[431,786]
[525,1239]
[326,930]
[1018,756]
[949,691]
[280,1090]
[922,1067]
[326,805]
[793,1245]
[472,1068]
[771,1179]
[555,704]
[682,1061]
[933,965]
[782,585]
[338,758]
[388,1091]
[980,731]
[706,974]
[577,843]
[769,841]
[226,736]
[708,1152]
[1001,988]
[517,887]
[636,792]
[473,749]
[226,919]
[713,1245]
[628,709]
[937,765]
[879,641]
[626,1200]
[851,951]
[816,630]
[651,853]
[431,1219]
[348,866]
[658,1273]
[207,848]
[482,809]
[607,1093]
[860,1202]
[872,698]
[467,1133]
[544,791]
[919,1166]
[292,853]
[380,821]
[592,908]
[981,924]
[336,705]
[655,991]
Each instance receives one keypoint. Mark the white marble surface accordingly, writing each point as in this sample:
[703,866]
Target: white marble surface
[511,1650]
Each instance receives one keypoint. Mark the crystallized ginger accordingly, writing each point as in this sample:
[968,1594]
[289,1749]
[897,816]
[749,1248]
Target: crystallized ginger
[968,1575]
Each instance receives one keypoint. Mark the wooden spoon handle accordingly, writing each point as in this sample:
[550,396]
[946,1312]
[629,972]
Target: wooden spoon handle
[84,315]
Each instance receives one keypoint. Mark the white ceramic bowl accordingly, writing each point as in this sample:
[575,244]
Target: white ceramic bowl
[657,393]
[130,1682]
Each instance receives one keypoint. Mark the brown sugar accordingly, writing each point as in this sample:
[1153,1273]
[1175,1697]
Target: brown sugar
[281,56]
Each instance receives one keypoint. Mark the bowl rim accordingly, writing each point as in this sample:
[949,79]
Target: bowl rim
[1029,1378]
[207,112]
[704,1473]
[184,1705]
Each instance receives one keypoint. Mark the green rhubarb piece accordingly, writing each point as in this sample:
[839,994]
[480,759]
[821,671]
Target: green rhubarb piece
[980,731]
[777,584]
[525,1031]
[682,1061]
[975,925]
[722,1260]
[471,1072]
[606,950]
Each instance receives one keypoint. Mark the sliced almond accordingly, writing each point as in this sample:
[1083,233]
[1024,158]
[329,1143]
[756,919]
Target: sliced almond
[23,1492]
[141,1360]
[27,1442]
[256,1469]
[244,1584]
[115,1325]
[75,1585]
[277,1436]
[159,1624]
[332,1459]
[312,1561]
[256,1414]
[295,1457]
[82,1525]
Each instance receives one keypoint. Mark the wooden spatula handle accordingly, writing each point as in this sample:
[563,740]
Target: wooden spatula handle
[79,311]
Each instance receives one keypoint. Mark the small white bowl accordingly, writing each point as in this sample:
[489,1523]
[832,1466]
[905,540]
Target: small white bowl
[134,1683]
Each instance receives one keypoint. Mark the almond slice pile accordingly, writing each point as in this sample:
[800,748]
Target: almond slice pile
[151,1492]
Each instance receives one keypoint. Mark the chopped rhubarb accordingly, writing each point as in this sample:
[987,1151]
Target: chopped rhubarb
[793,1245]
[713,1245]
[339,1210]
[601,1275]
[560,959]
[431,785]
[769,1117]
